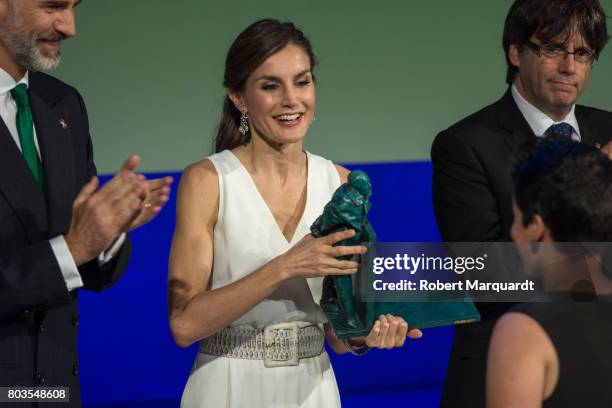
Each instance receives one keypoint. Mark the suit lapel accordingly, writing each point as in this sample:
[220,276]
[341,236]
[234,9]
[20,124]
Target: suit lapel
[520,135]
[587,134]
[18,186]
[57,156]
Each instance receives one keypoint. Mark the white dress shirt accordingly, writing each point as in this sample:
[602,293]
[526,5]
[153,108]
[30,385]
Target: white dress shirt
[8,112]
[538,121]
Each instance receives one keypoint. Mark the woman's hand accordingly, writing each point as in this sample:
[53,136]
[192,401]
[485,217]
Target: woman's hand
[388,332]
[312,257]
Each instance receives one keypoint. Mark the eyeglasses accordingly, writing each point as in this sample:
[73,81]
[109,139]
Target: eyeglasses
[556,53]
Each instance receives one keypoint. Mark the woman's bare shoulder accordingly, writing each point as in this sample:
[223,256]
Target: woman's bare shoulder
[343,172]
[201,175]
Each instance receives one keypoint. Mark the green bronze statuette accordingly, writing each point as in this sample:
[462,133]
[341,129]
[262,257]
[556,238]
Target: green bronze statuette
[348,314]
[348,209]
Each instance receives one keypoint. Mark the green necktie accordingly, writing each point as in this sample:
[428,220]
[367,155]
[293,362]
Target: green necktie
[25,127]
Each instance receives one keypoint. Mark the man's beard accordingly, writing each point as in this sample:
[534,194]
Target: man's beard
[23,45]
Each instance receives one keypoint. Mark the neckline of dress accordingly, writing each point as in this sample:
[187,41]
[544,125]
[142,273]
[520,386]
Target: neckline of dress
[267,207]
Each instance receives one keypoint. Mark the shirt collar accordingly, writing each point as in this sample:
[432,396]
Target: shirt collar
[7,82]
[538,121]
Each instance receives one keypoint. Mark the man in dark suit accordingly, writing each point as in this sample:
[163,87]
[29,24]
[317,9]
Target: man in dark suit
[550,47]
[58,231]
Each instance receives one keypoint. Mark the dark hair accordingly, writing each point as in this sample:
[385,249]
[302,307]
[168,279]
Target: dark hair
[569,184]
[551,20]
[249,50]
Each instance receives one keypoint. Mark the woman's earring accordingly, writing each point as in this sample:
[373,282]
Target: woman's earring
[244,125]
[535,247]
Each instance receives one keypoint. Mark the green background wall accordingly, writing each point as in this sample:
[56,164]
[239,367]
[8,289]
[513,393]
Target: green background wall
[391,75]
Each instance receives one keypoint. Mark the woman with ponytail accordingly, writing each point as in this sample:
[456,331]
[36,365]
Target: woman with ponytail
[245,274]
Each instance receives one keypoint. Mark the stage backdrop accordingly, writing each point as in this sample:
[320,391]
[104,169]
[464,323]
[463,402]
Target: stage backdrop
[390,75]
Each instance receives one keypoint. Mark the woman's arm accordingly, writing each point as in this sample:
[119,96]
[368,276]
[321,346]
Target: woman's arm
[196,312]
[522,367]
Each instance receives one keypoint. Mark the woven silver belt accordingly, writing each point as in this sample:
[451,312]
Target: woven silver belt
[281,344]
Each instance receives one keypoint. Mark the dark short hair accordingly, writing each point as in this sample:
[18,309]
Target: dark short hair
[250,49]
[569,184]
[553,20]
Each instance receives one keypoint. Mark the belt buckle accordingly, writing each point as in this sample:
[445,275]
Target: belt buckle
[281,345]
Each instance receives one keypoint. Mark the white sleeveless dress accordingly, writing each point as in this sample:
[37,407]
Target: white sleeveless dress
[246,236]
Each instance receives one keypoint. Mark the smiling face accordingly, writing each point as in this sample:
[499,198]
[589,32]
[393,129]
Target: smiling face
[553,86]
[31,32]
[279,97]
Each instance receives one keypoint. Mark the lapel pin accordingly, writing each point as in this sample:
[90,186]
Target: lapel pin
[598,145]
[63,124]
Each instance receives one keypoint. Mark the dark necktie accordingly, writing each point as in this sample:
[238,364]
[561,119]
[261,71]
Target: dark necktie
[561,130]
[25,128]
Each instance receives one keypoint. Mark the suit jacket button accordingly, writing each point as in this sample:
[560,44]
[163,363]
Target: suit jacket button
[27,312]
[40,379]
[75,369]
[41,329]
[75,320]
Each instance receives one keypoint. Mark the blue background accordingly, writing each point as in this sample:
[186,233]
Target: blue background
[128,357]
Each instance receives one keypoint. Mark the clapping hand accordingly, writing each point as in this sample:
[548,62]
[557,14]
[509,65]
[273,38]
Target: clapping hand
[157,194]
[125,202]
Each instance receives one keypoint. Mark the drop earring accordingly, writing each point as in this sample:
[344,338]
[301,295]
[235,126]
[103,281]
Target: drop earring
[244,125]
